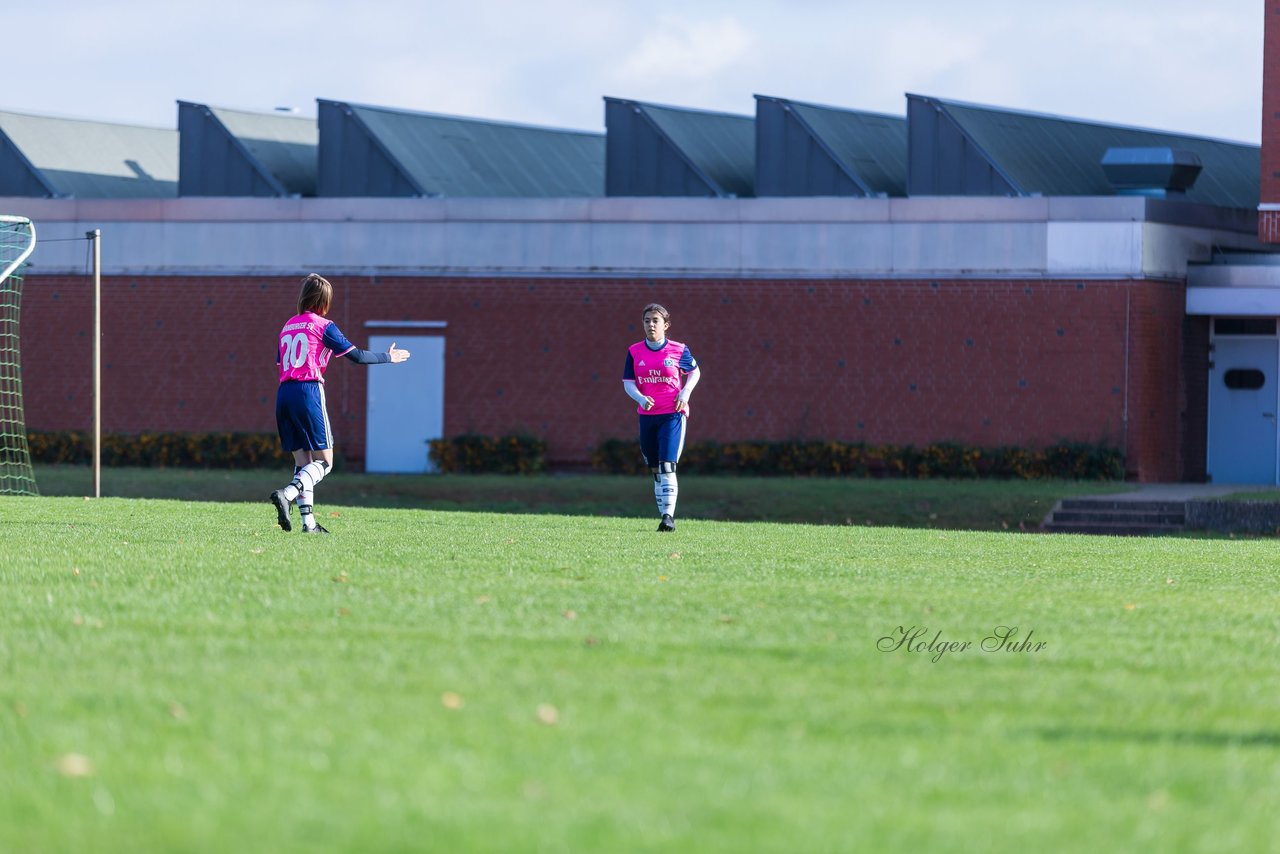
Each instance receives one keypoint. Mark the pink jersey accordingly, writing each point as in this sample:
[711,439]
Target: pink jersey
[659,373]
[303,354]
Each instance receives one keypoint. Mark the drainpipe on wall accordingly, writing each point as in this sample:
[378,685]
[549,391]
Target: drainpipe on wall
[1124,418]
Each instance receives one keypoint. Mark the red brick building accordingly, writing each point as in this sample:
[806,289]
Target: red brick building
[963,274]
[1269,201]
[982,321]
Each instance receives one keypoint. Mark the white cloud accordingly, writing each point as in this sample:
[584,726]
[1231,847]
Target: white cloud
[1184,65]
[679,49]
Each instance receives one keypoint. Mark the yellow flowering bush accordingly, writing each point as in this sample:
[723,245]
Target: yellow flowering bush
[226,450]
[1070,460]
[474,454]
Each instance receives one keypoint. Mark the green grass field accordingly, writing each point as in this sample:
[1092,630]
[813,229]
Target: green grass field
[179,675]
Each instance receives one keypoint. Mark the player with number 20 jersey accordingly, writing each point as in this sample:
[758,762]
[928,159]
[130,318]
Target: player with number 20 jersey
[307,342]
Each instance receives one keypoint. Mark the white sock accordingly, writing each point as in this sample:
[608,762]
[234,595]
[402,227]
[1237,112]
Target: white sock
[305,479]
[665,491]
[286,491]
[305,509]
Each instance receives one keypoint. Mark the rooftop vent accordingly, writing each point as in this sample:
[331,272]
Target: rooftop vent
[1159,172]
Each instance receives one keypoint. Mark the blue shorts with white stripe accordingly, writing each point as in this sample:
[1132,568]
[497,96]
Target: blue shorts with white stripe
[662,437]
[301,418]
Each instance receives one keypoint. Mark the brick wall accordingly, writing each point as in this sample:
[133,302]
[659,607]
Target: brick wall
[1156,400]
[1195,409]
[981,362]
[1269,221]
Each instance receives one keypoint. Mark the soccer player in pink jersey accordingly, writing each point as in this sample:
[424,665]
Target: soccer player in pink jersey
[659,376]
[307,342]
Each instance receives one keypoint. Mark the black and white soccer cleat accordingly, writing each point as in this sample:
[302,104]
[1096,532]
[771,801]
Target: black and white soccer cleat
[668,523]
[282,510]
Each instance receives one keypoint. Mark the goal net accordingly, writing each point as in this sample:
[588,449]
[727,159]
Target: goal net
[17,239]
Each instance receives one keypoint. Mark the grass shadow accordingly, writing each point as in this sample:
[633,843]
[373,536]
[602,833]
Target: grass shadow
[941,504]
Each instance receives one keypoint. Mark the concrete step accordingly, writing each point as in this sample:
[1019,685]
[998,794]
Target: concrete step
[1113,504]
[1116,518]
[1137,517]
[1115,529]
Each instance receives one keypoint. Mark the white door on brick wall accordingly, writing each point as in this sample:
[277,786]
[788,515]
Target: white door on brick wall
[406,405]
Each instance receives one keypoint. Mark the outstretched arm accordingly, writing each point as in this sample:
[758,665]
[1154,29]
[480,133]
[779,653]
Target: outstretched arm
[368,357]
[338,343]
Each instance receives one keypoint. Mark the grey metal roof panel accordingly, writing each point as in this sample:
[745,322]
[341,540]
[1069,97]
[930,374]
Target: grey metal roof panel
[212,161]
[462,157]
[1056,156]
[17,176]
[872,146]
[96,160]
[284,145]
[354,162]
[640,160]
[721,146]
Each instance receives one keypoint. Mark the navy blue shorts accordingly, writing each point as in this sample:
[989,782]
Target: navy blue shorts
[662,438]
[301,418]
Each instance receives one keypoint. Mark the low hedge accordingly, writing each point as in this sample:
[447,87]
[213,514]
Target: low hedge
[522,454]
[187,450]
[1068,460]
[469,453]
[475,454]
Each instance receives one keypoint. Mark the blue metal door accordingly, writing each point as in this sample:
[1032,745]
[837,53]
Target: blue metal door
[1242,411]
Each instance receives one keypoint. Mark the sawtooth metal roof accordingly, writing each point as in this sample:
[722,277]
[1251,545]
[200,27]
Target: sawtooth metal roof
[77,158]
[953,148]
[719,146]
[236,153]
[439,155]
[869,148]
[1054,156]
[285,145]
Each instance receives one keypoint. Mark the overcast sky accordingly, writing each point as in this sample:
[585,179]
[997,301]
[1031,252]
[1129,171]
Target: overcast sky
[1192,66]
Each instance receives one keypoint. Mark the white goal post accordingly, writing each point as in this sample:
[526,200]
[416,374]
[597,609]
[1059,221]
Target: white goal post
[18,225]
[17,242]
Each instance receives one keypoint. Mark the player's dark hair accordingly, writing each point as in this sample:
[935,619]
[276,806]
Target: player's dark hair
[316,295]
[653,306]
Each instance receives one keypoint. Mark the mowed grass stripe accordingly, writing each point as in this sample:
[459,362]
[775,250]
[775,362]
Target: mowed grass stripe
[234,687]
